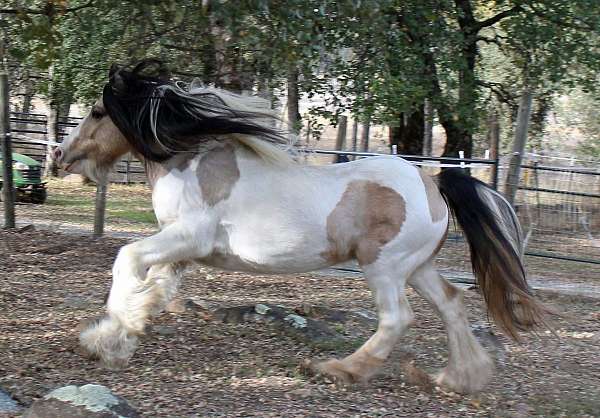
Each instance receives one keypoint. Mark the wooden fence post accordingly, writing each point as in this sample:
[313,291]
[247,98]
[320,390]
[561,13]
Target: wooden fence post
[514,168]
[8,190]
[495,147]
[428,128]
[100,210]
[341,137]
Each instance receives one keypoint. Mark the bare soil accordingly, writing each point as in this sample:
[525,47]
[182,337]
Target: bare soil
[49,282]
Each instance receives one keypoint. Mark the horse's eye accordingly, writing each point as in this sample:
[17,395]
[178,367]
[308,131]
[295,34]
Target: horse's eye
[97,114]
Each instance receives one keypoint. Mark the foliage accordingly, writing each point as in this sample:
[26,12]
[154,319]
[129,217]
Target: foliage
[375,59]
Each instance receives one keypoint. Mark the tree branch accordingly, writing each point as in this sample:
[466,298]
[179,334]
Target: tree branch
[497,18]
[45,11]
[498,89]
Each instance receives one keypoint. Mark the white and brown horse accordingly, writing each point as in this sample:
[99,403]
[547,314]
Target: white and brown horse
[228,194]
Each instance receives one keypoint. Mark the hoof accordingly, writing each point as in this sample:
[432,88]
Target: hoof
[466,381]
[109,342]
[348,370]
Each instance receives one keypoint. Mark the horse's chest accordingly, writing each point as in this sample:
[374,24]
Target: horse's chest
[170,197]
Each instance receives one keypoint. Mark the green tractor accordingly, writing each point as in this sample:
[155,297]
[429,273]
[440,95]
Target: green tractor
[27,178]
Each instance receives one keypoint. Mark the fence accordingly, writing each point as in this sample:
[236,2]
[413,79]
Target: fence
[558,205]
[558,200]
[29,133]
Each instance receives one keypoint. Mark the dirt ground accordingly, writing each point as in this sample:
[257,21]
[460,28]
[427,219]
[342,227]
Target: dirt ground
[194,365]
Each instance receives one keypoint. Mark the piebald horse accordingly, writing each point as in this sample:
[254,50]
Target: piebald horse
[227,192]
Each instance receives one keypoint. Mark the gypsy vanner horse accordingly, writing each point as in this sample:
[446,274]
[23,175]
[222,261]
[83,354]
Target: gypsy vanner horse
[228,193]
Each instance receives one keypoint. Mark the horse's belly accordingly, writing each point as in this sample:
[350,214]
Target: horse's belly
[268,251]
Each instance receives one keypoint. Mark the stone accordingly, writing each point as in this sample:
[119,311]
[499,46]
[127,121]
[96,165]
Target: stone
[164,330]
[87,401]
[287,320]
[176,305]
[27,228]
[296,321]
[75,178]
[301,393]
[74,302]
[7,403]
[489,340]
[261,309]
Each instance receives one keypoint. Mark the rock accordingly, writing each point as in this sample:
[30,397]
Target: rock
[490,341]
[177,305]
[200,304]
[7,403]
[164,330]
[26,228]
[416,376]
[74,302]
[234,314]
[88,401]
[75,178]
[287,320]
[296,321]
[261,309]
[301,393]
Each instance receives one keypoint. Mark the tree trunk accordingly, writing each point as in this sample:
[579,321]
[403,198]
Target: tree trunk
[340,141]
[408,136]
[514,168]
[293,98]
[365,134]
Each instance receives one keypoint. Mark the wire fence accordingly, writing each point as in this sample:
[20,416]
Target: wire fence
[559,206]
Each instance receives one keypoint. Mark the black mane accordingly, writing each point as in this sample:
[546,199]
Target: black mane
[182,120]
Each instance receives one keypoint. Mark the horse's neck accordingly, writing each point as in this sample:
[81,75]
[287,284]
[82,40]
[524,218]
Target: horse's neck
[155,170]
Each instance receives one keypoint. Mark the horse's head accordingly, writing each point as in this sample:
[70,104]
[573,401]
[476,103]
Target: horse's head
[93,146]
[143,110]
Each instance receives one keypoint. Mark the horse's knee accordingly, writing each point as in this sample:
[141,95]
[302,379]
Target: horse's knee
[128,264]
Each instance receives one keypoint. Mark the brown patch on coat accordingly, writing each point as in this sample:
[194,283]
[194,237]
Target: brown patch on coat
[156,170]
[435,201]
[217,174]
[367,217]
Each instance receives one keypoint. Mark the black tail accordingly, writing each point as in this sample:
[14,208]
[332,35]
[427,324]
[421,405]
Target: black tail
[494,236]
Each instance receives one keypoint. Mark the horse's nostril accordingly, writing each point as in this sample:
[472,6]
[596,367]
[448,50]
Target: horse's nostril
[57,154]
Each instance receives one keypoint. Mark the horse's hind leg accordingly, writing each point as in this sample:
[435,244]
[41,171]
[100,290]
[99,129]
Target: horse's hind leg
[166,279]
[469,367]
[395,316]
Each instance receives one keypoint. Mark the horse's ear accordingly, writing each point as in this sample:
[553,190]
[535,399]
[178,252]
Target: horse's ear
[114,68]
[116,79]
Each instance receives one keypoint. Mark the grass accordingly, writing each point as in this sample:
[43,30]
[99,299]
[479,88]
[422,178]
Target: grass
[125,204]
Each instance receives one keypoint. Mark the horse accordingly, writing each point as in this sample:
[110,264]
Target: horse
[229,192]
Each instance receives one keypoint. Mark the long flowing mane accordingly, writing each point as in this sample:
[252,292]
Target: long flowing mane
[160,117]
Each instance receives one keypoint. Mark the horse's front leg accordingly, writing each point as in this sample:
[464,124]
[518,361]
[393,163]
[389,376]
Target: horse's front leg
[137,293]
